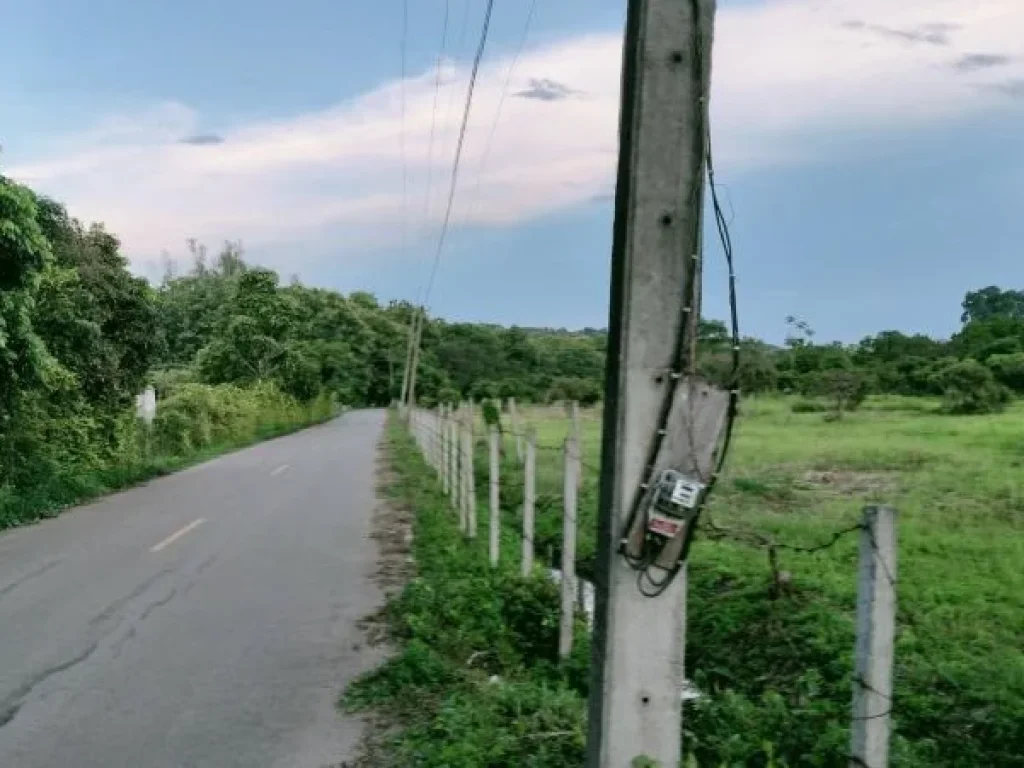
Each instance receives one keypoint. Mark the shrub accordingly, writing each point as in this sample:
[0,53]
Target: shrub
[843,388]
[808,406]
[1008,370]
[969,387]
[492,413]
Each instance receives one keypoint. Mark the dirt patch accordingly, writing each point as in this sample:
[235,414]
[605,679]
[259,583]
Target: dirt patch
[849,483]
[392,528]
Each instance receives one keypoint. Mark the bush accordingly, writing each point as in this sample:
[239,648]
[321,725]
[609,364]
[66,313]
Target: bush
[969,387]
[845,389]
[1008,370]
[586,391]
[809,406]
[491,410]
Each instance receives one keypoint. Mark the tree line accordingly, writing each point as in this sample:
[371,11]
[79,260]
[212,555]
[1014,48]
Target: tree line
[80,337]
[978,370]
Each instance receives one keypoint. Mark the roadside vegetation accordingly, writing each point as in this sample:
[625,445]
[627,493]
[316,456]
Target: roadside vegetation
[475,679]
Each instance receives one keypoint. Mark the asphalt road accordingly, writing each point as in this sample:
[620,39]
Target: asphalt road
[206,619]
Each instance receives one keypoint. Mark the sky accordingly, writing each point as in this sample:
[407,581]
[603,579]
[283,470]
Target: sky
[871,153]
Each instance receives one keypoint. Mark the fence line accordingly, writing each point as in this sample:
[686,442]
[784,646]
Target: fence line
[448,441]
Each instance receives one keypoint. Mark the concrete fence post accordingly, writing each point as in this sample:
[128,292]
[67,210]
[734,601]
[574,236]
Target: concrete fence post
[453,458]
[876,631]
[463,476]
[568,586]
[469,451]
[495,496]
[529,500]
[516,428]
[442,429]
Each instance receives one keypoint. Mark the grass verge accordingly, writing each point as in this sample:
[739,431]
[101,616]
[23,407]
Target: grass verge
[475,680]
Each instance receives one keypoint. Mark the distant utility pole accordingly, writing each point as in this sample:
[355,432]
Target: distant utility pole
[417,338]
[639,641]
[408,361]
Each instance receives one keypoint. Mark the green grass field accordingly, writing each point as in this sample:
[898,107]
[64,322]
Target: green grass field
[779,670]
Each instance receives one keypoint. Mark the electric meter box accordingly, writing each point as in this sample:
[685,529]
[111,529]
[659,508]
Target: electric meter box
[675,499]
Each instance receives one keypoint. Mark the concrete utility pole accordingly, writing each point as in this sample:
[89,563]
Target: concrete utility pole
[408,361]
[876,633]
[417,340]
[639,642]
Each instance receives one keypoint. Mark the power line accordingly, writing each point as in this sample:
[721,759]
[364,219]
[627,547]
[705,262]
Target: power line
[433,113]
[401,135]
[456,52]
[404,46]
[501,102]
[417,336]
[458,149]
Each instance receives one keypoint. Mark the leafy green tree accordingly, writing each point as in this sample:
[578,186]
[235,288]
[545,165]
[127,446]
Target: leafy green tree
[992,302]
[24,254]
[95,317]
[994,335]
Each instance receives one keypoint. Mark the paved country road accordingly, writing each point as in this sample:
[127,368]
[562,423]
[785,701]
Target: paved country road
[205,620]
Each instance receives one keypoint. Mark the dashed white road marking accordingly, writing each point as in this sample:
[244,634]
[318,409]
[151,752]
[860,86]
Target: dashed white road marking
[279,470]
[178,534]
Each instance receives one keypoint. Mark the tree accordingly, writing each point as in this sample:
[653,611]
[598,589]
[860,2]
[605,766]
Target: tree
[995,335]
[24,254]
[844,388]
[94,316]
[992,302]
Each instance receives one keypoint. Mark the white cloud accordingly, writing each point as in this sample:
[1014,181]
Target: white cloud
[787,75]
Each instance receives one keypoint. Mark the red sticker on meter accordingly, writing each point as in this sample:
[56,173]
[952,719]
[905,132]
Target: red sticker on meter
[664,526]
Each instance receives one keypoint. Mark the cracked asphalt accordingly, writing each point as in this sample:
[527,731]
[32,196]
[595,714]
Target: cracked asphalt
[206,619]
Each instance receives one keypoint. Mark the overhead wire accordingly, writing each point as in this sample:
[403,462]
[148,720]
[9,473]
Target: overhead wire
[419,317]
[403,48]
[433,112]
[481,46]
[485,156]
[401,135]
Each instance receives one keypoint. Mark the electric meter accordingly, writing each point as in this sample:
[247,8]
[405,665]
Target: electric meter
[674,503]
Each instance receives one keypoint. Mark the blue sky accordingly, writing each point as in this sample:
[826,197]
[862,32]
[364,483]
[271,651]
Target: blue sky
[872,152]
